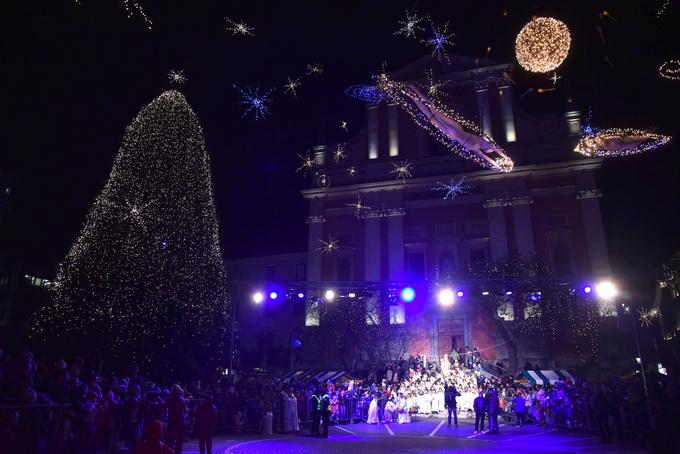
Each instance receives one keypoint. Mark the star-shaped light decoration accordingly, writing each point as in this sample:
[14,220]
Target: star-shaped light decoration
[292,85]
[136,212]
[402,170]
[177,77]
[432,87]
[452,189]
[307,164]
[439,40]
[314,69]
[254,101]
[351,171]
[409,26]
[647,316]
[239,28]
[359,207]
[555,77]
[343,126]
[329,247]
[339,153]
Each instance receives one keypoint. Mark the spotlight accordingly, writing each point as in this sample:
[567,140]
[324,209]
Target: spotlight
[352,295]
[273,295]
[446,297]
[329,295]
[485,293]
[508,293]
[587,289]
[300,295]
[606,290]
[258,297]
[460,294]
[408,294]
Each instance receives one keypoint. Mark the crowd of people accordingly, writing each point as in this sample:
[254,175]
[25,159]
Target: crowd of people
[76,407]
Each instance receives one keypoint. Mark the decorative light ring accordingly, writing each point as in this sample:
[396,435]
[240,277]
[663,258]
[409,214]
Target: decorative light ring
[670,70]
[616,142]
[542,44]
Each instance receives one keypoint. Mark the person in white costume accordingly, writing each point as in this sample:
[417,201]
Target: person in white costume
[402,407]
[291,422]
[373,411]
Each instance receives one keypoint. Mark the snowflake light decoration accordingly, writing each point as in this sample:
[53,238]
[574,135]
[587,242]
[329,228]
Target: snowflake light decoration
[409,26]
[307,164]
[670,70]
[177,77]
[314,69]
[339,153]
[452,189]
[329,247]
[402,170]
[351,171]
[555,77]
[254,101]
[359,207]
[438,42]
[647,316]
[433,88]
[343,126]
[239,28]
[292,85]
[616,142]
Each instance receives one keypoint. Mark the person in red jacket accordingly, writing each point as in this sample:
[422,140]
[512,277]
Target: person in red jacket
[206,419]
[177,408]
[152,443]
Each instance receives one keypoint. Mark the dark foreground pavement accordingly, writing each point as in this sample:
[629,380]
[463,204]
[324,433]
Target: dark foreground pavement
[425,435]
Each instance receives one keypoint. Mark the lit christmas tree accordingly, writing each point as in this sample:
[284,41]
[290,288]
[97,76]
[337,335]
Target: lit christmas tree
[145,279]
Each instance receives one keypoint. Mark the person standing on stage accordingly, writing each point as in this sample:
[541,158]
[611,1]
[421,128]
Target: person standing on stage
[479,406]
[325,414]
[450,400]
[492,405]
[315,406]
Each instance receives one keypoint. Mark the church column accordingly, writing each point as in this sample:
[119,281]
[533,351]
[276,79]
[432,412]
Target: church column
[313,256]
[395,243]
[482,91]
[372,121]
[524,231]
[372,271]
[507,113]
[393,127]
[495,211]
[594,229]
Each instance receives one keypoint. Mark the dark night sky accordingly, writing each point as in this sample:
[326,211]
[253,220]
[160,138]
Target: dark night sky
[75,76]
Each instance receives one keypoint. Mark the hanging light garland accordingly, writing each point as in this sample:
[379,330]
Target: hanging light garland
[542,44]
[619,142]
[670,70]
[460,135]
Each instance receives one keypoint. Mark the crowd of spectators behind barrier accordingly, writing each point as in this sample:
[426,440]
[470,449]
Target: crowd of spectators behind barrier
[77,407]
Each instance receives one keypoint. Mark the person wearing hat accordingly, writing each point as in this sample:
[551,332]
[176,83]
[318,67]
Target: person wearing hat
[152,443]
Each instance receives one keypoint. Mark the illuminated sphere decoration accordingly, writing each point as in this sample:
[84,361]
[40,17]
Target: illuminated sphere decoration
[542,45]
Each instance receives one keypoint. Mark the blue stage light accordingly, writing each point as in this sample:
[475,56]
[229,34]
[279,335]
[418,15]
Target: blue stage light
[300,295]
[587,289]
[460,294]
[273,295]
[408,294]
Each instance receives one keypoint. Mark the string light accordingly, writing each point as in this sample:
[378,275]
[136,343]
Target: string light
[136,8]
[343,126]
[452,189]
[292,85]
[177,77]
[314,69]
[670,70]
[402,170]
[307,164]
[409,26]
[455,132]
[339,153]
[663,8]
[359,207]
[117,287]
[542,45]
[239,28]
[366,93]
[439,40]
[254,101]
[619,142]
[329,247]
